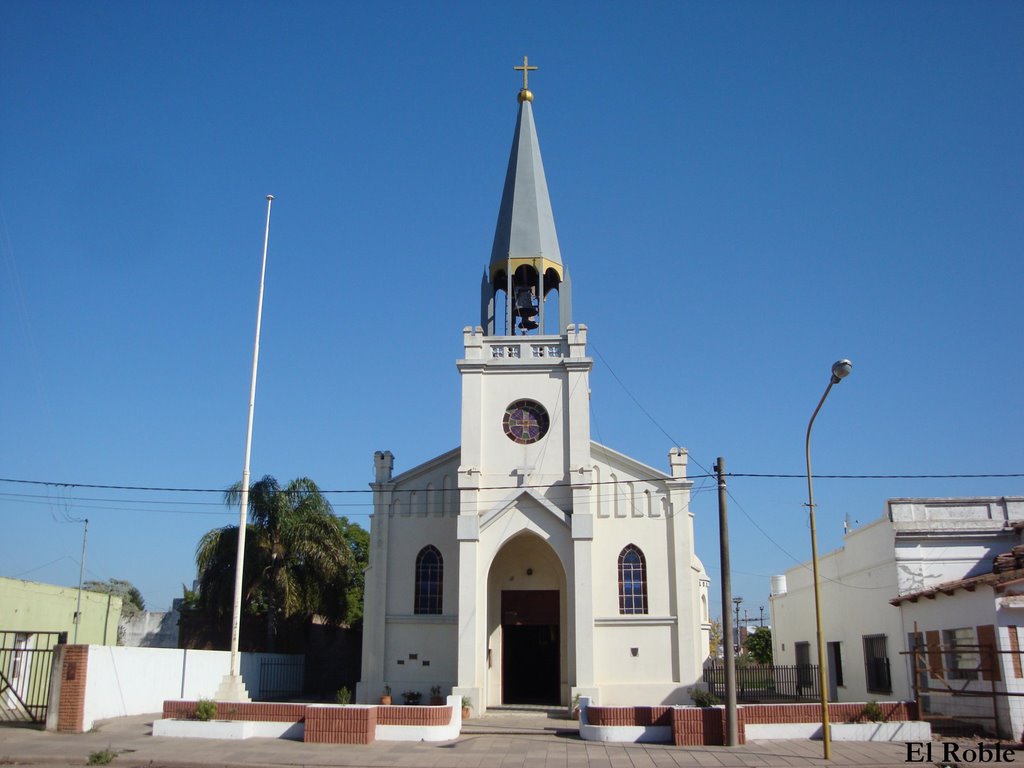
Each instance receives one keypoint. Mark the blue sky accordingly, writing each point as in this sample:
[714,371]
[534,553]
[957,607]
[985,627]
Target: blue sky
[744,193]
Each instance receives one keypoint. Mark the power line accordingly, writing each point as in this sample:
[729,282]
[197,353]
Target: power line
[875,477]
[541,486]
[175,502]
[404,489]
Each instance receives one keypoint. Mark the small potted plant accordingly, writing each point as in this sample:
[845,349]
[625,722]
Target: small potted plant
[343,697]
[575,708]
[466,702]
[436,700]
[385,697]
[412,698]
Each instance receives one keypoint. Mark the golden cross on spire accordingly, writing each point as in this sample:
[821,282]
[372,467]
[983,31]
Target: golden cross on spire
[526,69]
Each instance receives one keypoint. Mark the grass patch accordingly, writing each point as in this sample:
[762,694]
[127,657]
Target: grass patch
[101,757]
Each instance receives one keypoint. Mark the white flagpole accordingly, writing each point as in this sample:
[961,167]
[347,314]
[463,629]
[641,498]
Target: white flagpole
[233,687]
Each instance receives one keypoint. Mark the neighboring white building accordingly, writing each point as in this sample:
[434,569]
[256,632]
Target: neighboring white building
[917,546]
[969,642]
[531,564]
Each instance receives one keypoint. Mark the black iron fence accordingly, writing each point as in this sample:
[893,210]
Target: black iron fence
[281,678]
[25,662]
[762,683]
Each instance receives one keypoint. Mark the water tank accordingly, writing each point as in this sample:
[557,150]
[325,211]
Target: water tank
[778,585]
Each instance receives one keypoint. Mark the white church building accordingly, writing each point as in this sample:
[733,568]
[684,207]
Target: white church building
[531,564]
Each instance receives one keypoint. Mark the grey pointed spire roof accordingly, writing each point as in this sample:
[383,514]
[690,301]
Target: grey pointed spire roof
[526,225]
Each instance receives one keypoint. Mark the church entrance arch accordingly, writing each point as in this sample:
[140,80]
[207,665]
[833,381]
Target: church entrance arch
[526,624]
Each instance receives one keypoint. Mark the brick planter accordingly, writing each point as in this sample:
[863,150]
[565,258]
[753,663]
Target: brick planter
[327,724]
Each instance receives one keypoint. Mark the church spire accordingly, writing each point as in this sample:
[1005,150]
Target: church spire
[525,259]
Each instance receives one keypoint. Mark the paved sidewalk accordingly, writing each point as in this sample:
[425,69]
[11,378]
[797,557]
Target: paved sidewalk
[502,740]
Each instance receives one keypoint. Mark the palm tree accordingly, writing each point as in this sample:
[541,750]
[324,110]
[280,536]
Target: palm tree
[296,556]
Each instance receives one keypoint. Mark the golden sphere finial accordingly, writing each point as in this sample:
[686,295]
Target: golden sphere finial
[525,95]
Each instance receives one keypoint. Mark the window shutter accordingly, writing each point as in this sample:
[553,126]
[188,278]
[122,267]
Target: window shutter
[989,658]
[934,653]
[1015,647]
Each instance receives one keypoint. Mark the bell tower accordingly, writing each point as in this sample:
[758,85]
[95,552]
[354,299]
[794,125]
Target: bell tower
[526,264]
[525,464]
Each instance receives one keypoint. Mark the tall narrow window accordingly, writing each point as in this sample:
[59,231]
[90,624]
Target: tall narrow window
[835,666]
[876,664]
[429,575]
[632,581]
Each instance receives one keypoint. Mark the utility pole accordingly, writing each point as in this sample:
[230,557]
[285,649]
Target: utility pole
[732,737]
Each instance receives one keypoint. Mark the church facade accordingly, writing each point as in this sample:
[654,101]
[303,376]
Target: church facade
[531,564]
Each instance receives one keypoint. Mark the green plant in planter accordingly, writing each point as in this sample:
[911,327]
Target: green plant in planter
[412,697]
[344,696]
[206,709]
[873,711]
[702,698]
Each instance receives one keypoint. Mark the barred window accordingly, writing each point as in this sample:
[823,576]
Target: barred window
[429,575]
[876,664]
[632,580]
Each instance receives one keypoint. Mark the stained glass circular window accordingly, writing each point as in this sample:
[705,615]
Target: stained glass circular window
[525,422]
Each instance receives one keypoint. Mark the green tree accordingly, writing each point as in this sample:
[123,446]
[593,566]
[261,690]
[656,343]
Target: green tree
[759,645]
[132,603]
[298,561]
[358,540]
[715,639]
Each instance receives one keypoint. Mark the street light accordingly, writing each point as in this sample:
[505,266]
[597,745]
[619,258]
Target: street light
[736,641]
[840,370]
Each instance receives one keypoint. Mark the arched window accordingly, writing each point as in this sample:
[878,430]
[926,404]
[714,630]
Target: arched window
[632,580]
[429,574]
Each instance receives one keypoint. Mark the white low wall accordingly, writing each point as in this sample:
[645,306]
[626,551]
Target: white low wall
[247,729]
[227,729]
[448,732]
[769,731]
[124,681]
[909,730]
[621,734]
[887,731]
[899,730]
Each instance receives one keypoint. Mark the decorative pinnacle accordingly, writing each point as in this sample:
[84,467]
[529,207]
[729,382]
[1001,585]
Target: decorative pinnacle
[525,94]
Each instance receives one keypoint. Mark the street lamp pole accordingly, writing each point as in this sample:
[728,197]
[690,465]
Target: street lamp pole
[840,370]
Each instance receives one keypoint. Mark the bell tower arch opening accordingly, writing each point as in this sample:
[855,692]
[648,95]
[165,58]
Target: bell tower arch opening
[526,624]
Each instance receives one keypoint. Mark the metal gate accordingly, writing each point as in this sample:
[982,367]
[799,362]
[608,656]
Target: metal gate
[25,662]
